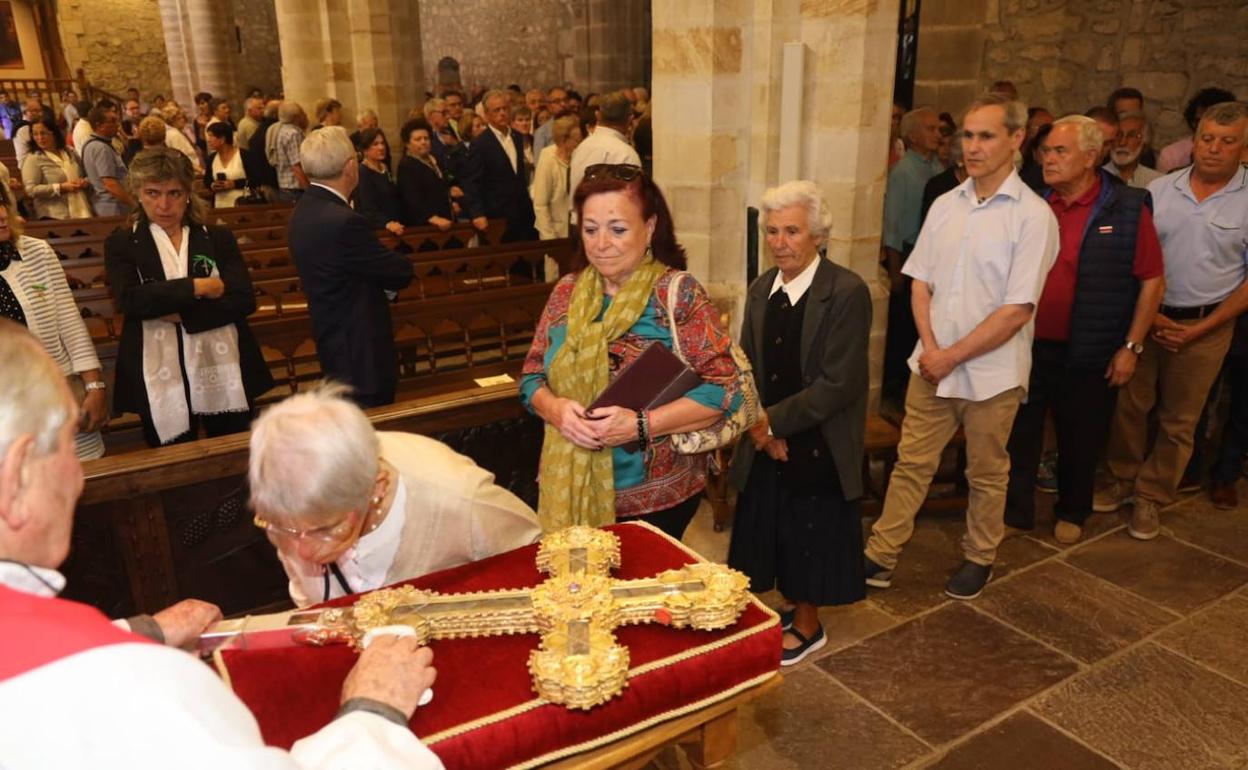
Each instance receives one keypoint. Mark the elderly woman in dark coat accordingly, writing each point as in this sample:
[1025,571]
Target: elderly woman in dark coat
[807,321]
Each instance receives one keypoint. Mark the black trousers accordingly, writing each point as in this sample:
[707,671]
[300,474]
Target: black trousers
[214,425]
[1082,404]
[899,342]
[1235,433]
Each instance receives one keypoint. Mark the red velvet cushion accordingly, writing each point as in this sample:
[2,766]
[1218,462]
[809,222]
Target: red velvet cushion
[484,713]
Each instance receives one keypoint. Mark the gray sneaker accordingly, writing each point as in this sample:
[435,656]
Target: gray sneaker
[1145,523]
[878,576]
[1112,496]
[969,581]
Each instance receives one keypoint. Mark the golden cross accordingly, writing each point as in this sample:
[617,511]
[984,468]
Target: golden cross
[576,610]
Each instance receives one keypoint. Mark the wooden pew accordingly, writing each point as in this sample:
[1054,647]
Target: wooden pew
[159,525]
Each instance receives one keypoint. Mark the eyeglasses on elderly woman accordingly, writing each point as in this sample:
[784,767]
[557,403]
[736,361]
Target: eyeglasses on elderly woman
[330,533]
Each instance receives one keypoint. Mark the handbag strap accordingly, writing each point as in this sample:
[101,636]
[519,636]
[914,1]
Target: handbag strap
[673,294]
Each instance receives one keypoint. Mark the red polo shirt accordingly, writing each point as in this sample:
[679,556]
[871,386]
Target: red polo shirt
[1058,297]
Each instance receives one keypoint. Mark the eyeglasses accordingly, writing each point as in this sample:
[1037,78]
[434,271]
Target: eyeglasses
[621,172]
[327,534]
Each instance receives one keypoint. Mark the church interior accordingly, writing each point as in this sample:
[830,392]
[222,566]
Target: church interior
[1105,649]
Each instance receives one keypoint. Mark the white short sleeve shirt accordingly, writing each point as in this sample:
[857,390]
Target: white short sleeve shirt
[976,257]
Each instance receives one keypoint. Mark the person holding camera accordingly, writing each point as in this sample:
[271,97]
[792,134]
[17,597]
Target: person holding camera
[226,174]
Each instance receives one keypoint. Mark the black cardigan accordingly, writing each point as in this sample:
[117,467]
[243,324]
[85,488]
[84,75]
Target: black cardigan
[141,292]
[422,192]
[377,198]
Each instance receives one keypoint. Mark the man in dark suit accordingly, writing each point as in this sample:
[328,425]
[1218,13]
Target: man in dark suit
[345,272]
[493,176]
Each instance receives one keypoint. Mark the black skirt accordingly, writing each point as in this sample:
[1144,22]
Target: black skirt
[809,546]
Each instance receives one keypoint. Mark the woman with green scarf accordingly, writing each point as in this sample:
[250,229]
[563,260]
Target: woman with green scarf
[598,320]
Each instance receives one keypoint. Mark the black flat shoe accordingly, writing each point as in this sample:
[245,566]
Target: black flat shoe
[786,617]
[798,654]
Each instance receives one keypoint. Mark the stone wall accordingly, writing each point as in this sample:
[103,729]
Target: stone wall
[119,43]
[596,45]
[259,62]
[1068,56]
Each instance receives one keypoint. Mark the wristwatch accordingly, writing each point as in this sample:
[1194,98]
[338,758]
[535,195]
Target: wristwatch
[1135,347]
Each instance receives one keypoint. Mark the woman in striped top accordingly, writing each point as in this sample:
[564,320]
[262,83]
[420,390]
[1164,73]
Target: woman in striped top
[34,292]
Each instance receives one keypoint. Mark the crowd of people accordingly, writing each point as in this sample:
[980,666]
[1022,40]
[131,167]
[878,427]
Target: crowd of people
[1038,265]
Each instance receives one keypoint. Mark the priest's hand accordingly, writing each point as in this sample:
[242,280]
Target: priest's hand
[393,670]
[183,623]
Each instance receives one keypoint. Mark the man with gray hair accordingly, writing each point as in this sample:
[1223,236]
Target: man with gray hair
[978,268]
[1202,218]
[1096,309]
[138,700]
[282,147]
[1134,135]
[903,205]
[494,180]
[253,111]
[345,272]
[608,143]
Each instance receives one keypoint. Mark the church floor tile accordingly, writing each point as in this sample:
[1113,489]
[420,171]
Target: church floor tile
[1021,742]
[1197,521]
[946,672]
[1075,612]
[1215,637]
[1151,709]
[933,554]
[1163,570]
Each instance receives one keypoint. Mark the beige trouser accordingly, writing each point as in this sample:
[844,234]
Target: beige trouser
[929,424]
[1177,384]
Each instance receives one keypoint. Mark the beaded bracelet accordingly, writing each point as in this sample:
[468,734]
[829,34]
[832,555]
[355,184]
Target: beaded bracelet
[643,434]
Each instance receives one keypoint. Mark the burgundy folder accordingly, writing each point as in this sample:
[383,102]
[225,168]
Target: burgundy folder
[654,378]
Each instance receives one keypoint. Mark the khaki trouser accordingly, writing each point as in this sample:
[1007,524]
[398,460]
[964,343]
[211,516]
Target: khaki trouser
[929,424]
[1177,384]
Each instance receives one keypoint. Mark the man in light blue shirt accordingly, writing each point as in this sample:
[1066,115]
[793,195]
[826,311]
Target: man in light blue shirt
[903,208]
[556,102]
[1201,214]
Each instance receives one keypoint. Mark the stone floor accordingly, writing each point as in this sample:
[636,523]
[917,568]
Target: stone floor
[1111,653]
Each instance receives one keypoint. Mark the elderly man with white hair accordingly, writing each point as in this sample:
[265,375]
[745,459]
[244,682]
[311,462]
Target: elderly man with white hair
[978,268]
[282,150]
[797,526]
[351,509]
[903,205]
[122,699]
[345,272]
[1095,311]
[1134,135]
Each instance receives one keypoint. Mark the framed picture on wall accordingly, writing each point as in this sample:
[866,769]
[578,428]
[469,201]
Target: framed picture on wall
[10,48]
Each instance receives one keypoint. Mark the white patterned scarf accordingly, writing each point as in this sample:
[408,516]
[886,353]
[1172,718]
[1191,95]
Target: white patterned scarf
[210,358]
[79,208]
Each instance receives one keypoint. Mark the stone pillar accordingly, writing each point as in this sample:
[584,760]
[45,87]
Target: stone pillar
[199,39]
[364,53]
[717,71]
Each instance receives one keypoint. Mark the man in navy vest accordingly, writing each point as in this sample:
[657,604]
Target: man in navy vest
[1097,307]
[1202,223]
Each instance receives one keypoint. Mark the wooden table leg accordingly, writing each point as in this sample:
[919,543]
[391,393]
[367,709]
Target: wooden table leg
[714,742]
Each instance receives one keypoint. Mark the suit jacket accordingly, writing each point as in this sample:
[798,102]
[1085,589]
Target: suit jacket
[835,330]
[422,193]
[142,292]
[494,188]
[449,158]
[345,271]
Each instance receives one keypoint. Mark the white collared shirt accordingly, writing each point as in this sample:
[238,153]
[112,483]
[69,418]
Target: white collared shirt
[509,146]
[341,197]
[29,579]
[800,283]
[976,257]
[364,565]
[605,145]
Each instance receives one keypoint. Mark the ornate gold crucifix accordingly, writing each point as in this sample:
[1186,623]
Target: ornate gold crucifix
[576,610]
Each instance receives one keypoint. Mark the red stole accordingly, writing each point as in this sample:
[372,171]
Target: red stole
[40,630]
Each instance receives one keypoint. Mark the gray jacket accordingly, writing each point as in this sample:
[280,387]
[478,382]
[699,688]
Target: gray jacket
[835,330]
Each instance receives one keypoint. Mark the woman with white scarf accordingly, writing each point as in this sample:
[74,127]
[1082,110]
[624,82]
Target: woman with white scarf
[53,177]
[187,357]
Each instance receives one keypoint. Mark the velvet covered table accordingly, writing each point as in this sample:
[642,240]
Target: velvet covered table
[484,713]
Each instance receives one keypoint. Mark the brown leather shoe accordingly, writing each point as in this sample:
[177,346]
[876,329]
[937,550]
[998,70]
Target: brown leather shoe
[1067,532]
[1224,496]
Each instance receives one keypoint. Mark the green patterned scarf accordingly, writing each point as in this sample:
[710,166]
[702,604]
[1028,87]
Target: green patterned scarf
[577,485]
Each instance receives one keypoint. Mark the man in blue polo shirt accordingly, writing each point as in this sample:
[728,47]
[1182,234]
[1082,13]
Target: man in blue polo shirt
[1201,214]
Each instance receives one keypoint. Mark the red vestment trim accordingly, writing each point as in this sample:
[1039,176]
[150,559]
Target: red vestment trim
[40,630]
